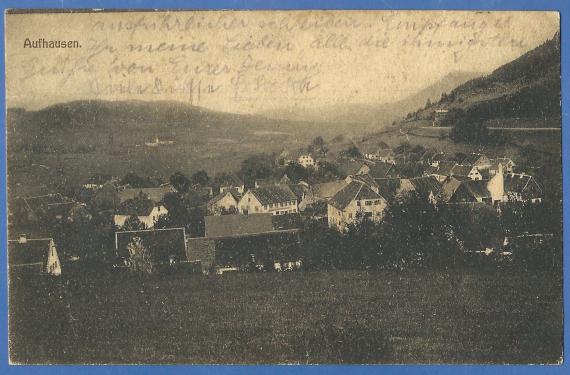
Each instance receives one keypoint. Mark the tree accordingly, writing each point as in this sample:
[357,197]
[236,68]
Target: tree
[318,145]
[352,152]
[428,103]
[140,259]
[296,172]
[470,132]
[133,223]
[200,178]
[257,166]
[180,182]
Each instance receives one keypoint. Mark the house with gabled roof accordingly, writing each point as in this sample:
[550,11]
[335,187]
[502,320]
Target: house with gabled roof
[146,210]
[33,255]
[470,191]
[465,190]
[442,171]
[354,203]
[507,163]
[225,202]
[520,187]
[468,171]
[274,199]
[239,240]
[477,160]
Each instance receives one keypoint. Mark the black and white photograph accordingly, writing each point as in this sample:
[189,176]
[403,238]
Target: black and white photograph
[284,187]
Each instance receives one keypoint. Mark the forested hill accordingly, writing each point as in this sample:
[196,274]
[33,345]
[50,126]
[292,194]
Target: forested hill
[526,89]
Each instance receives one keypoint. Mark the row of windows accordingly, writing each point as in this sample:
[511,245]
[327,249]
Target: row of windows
[281,204]
[368,203]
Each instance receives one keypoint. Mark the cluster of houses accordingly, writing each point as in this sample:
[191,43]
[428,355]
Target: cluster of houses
[268,214]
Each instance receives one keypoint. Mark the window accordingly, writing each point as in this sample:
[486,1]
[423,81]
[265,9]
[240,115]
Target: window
[368,214]
[294,210]
[350,216]
[256,208]
[377,201]
[358,203]
[248,200]
[368,203]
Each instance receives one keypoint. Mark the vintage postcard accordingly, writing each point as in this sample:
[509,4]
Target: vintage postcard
[284,187]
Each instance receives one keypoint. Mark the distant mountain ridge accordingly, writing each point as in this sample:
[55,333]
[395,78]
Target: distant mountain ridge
[378,114]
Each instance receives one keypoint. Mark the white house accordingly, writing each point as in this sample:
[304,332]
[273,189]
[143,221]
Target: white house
[34,255]
[225,201]
[147,212]
[355,202]
[306,160]
[274,199]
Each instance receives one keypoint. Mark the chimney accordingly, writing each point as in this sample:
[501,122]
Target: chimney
[22,238]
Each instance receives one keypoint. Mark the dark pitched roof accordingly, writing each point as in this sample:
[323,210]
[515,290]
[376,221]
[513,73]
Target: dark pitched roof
[477,189]
[519,183]
[273,194]
[424,185]
[449,187]
[428,155]
[410,169]
[162,243]
[389,187]
[136,207]
[365,179]
[380,170]
[156,194]
[444,168]
[349,166]
[472,159]
[299,190]
[461,170]
[352,191]
[28,253]
[237,225]
[327,190]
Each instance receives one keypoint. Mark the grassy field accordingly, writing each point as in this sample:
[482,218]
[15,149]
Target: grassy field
[336,317]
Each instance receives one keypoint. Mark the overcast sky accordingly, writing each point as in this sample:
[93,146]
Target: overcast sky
[254,61]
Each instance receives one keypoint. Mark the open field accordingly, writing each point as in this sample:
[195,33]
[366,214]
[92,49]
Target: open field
[462,316]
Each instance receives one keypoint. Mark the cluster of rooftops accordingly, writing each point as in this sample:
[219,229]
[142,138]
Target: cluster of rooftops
[372,183]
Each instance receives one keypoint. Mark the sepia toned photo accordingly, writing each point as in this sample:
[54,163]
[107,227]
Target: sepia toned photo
[284,187]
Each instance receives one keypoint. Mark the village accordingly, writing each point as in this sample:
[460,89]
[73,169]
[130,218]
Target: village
[262,217]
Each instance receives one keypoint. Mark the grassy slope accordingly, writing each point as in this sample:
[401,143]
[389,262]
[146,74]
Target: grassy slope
[335,317]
